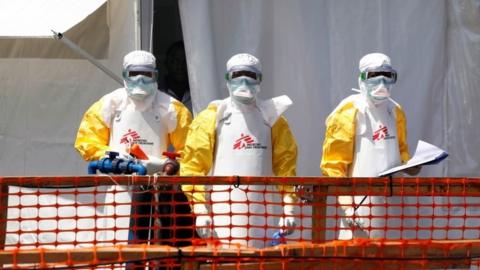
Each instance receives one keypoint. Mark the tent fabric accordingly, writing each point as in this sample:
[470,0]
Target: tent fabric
[26,28]
[310,51]
[146,18]
[41,104]
[43,100]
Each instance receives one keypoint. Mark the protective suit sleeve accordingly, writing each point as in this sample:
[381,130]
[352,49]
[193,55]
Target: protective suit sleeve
[284,154]
[179,135]
[93,134]
[338,146]
[198,152]
[402,134]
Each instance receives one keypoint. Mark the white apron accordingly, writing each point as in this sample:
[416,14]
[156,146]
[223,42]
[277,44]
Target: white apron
[130,126]
[244,148]
[376,149]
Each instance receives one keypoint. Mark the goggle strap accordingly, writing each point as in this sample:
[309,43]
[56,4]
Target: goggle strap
[363,76]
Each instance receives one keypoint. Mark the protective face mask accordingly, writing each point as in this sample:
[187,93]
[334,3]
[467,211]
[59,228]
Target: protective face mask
[243,90]
[140,87]
[378,89]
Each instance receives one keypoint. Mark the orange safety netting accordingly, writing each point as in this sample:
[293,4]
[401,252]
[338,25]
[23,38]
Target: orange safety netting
[132,222]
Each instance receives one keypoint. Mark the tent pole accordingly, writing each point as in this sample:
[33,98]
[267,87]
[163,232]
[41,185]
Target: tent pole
[137,29]
[87,56]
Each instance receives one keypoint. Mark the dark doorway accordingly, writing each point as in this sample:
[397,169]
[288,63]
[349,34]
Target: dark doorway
[176,221]
[168,48]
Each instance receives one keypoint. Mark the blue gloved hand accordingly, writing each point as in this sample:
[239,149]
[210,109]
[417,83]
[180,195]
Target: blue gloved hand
[278,238]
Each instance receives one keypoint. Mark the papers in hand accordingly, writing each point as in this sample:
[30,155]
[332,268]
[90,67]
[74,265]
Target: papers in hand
[425,154]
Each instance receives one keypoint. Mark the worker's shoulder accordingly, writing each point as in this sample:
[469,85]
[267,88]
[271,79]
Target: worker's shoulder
[395,104]
[167,100]
[211,110]
[215,104]
[281,122]
[397,108]
[116,94]
[206,119]
[347,104]
[114,98]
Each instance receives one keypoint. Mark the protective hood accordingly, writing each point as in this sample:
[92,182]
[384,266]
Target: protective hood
[243,75]
[140,74]
[376,77]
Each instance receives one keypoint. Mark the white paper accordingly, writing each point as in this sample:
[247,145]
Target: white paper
[425,154]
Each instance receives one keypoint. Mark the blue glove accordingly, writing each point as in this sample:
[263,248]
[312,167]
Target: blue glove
[278,238]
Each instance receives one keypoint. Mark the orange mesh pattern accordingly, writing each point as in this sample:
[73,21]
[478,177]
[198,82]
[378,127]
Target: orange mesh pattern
[116,222]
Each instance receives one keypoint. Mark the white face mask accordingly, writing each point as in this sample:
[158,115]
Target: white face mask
[243,90]
[377,89]
[140,87]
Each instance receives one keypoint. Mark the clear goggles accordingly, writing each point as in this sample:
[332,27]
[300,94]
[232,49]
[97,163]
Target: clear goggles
[136,73]
[387,72]
[250,74]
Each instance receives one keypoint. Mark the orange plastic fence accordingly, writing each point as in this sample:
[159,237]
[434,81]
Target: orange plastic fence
[132,222]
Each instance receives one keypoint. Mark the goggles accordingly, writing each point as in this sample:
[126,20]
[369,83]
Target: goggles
[133,74]
[243,79]
[387,72]
[252,75]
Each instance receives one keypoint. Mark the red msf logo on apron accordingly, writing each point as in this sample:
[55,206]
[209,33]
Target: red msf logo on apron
[381,134]
[247,142]
[129,137]
[132,136]
[243,141]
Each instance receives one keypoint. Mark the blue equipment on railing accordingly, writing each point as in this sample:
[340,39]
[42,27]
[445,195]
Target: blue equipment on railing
[143,197]
[115,165]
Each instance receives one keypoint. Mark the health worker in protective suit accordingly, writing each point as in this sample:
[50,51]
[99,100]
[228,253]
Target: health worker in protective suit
[245,136]
[136,114]
[365,135]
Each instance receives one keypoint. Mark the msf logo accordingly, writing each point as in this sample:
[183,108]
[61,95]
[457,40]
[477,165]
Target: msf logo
[381,134]
[243,141]
[247,142]
[129,137]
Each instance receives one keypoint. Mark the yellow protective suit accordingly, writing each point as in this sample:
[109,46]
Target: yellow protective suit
[158,121]
[339,148]
[341,159]
[94,132]
[200,148]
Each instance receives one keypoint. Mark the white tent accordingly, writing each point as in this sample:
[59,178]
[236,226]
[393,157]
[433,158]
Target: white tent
[45,87]
[310,51]
[27,28]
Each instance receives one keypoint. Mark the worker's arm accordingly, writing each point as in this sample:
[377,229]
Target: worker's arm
[284,154]
[402,141]
[198,152]
[338,146]
[93,134]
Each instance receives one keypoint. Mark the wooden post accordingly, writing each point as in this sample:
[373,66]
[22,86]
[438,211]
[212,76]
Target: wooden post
[3,213]
[319,214]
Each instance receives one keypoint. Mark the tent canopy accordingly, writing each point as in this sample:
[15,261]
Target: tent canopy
[26,28]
